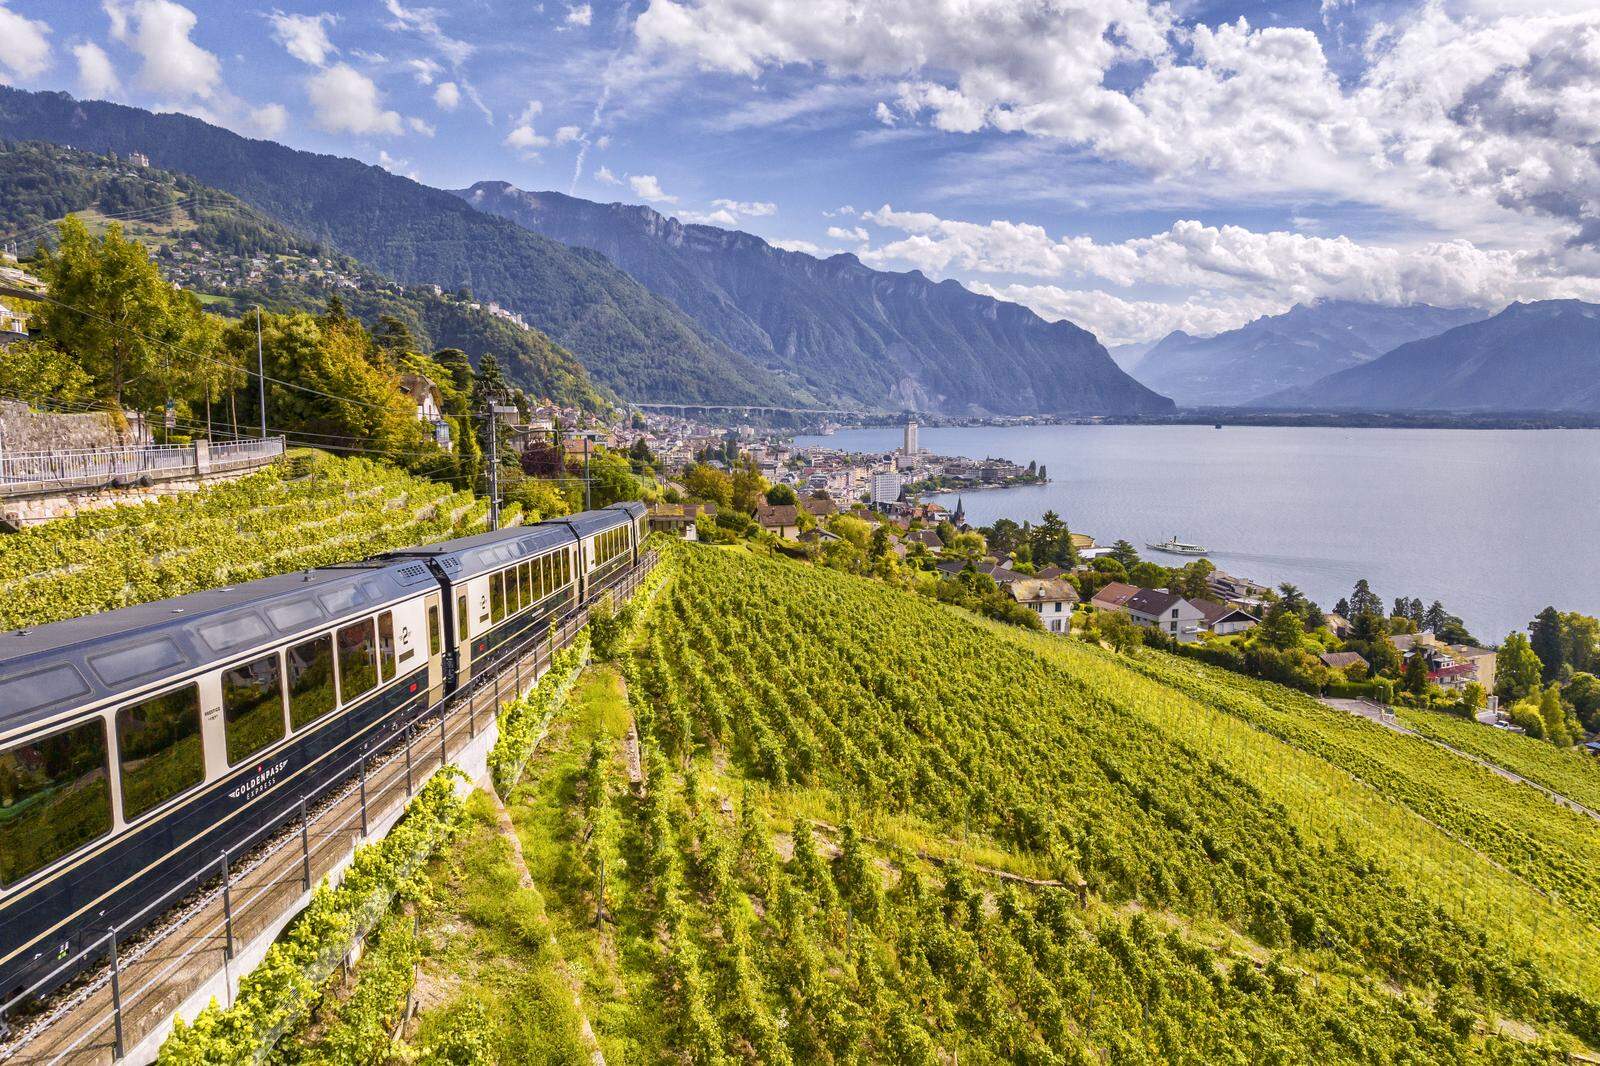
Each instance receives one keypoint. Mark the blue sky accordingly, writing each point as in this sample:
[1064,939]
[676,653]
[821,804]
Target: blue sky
[1133,166]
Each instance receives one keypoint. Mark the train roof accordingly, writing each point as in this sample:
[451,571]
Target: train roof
[633,507]
[467,557]
[49,668]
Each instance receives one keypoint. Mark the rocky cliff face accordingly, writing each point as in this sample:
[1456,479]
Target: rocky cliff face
[838,327]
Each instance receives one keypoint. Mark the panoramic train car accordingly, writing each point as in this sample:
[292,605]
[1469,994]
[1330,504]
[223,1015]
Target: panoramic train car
[638,514]
[501,586]
[137,744]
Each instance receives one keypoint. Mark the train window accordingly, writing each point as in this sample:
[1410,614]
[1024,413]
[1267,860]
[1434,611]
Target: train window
[340,601]
[529,594]
[386,644]
[136,660]
[252,707]
[433,630]
[515,600]
[55,797]
[497,598]
[540,588]
[358,661]
[566,567]
[40,689]
[232,632]
[297,615]
[461,616]
[310,681]
[158,747]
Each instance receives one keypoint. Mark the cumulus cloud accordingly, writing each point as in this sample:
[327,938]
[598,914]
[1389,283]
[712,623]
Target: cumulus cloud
[855,233]
[799,246]
[603,174]
[752,208]
[447,97]
[269,120]
[1469,114]
[568,134]
[344,100]
[158,32]
[421,126]
[646,187]
[402,167]
[424,70]
[24,44]
[96,74]
[579,15]
[1238,272]
[304,36]
[525,140]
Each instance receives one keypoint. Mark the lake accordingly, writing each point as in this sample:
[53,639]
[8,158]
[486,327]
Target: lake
[1495,523]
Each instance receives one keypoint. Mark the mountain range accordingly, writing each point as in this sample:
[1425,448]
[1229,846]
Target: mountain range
[653,309]
[1279,352]
[1541,356]
[838,326]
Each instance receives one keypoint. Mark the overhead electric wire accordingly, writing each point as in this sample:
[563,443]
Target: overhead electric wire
[132,214]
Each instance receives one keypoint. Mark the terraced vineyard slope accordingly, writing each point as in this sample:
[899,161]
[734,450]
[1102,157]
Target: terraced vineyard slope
[306,511]
[816,819]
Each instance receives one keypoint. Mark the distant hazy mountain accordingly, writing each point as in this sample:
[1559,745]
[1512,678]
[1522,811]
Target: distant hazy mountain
[1530,357]
[1129,356]
[1277,352]
[628,338]
[883,339]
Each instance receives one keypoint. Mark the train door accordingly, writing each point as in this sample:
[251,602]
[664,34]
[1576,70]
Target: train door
[463,634]
[436,675]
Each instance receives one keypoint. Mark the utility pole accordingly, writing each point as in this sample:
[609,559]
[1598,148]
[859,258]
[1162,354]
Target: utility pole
[587,484]
[494,459]
[261,375]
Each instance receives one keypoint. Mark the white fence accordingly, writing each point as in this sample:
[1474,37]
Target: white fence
[32,473]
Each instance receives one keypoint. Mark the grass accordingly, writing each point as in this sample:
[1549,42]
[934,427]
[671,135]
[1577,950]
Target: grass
[487,948]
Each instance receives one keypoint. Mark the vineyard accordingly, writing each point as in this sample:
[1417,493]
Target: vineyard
[1574,775]
[308,511]
[808,818]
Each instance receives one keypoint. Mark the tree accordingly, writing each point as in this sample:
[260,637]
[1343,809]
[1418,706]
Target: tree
[707,483]
[1517,669]
[1364,601]
[778,495]
[1435,617]
[1342,608]
[1553,713]
[1546,638]
[968,545]
[1194,579]
[749,488]
[1125,553]
[117,319]
[1005,535]
[1415,677]
[1149,575]
[853,529]
[37,371]
[1580,641]
[1281,627]
[611,479]
[1051,541]
[1122,633]
[1582,691]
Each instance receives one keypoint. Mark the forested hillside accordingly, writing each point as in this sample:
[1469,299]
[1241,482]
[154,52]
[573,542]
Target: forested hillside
[213,243]
[861,826]
[628,338]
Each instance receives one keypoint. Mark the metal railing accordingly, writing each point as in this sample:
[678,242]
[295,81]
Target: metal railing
[252,885]
[23,473]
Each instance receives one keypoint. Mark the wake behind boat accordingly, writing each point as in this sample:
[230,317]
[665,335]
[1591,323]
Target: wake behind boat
[1174,546]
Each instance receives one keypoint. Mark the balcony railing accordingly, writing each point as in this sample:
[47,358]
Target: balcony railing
[34,473]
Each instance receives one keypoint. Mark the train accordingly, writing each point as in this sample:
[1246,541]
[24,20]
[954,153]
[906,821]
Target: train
[139,745]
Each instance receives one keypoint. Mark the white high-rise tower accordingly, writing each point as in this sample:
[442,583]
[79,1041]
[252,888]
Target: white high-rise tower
[911,439]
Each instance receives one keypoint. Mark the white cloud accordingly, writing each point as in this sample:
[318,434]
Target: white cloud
[343,100]
[800,246]
[96,75]
[530,112]
[646,187]
[424,21]
[397,166]
[604,175]
[579,15]
[855,234]
[568,134]
[421,126]
[725,212]
[158,31]
[525,141]
[1473,117]
[756,208]
[269,120]
[1115,320]
[424,70]
[24,48]
[447,97]
[603,142]
[304,36]
[885,114]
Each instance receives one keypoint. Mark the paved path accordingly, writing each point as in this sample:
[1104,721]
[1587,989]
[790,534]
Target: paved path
[1377,712]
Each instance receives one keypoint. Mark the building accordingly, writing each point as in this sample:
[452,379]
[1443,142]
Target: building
[820,507]
[1224,618]
[1166,611]
[928,538]
[1052,599]
[909,449]
[886,487]
[13,324]
[781,519]
[138,159]
[1342,661]
[1113,596]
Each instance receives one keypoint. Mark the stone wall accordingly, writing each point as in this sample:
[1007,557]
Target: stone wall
[25,430]
[18,514]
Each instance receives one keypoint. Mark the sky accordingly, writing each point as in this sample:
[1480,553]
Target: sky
[1135,167]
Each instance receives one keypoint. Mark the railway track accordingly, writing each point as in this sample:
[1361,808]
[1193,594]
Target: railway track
[111,1012]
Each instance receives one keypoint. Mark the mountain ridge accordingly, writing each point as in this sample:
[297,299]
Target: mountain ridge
[838,325]
[1241,366]
[629,339]
[1539,356]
